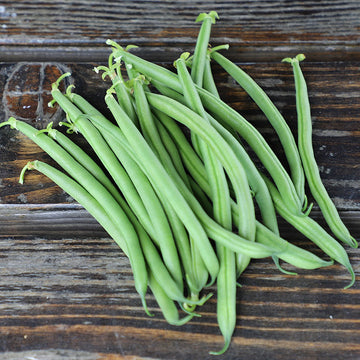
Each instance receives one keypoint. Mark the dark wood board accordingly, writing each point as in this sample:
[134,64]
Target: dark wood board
[66,289]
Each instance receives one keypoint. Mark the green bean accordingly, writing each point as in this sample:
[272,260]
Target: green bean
[311,168]
[293,255]
[273,115]
[226,296]
[167,305]
[199,57]
[98,191]
[313,231]
[220,195]
[198,67]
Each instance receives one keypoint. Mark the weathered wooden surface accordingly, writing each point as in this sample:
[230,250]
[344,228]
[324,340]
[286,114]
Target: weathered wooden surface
[257,29]
[70,287]
[66,290]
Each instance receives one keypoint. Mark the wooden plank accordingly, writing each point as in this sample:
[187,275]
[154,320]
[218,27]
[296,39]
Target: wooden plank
[76,31]
[75,292]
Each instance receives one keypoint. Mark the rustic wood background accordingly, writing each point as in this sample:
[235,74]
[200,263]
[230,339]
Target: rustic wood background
[66,290]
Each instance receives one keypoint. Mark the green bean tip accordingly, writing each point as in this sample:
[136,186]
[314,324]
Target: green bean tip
[218,47]
[56,84]
[353,243]
[297,58]
[51,103]
[353,277]
[213,15]
[11,122]
[146,309]
[223,350]
[29,166]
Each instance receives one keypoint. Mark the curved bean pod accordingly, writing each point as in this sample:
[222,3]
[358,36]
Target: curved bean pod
[311,168]
[167,305]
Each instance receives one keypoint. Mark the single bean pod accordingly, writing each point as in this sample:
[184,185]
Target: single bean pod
[220,194]
[311,168]
[199,57]
[226,296]
[167,305]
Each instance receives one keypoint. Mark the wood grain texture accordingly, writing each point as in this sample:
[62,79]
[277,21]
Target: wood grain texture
[76,292]
[77,30]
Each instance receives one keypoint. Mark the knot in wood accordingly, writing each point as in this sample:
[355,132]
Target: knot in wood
[27,93]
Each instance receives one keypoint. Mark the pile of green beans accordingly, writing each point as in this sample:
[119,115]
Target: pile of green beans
[174,185]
